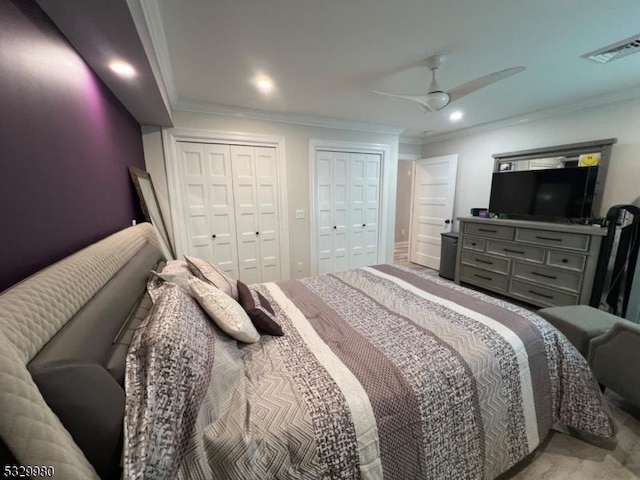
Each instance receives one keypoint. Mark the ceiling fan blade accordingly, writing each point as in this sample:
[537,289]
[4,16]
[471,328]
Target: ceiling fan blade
[470,87]
[420,98]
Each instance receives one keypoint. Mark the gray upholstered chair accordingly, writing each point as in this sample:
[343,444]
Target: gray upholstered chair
[610,344]
[614,358]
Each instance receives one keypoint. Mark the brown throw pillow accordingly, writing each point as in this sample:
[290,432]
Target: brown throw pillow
[259,310]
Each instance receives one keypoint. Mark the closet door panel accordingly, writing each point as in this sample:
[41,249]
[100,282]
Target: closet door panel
[192,167]
[324,179]
[246,213]
[341,212]
[372,205]
[357,209]
[221,208]
[267,203]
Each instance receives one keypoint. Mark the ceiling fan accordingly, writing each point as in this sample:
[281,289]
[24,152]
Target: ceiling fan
[436,99]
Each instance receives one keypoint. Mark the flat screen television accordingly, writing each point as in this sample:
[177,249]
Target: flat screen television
[557,194]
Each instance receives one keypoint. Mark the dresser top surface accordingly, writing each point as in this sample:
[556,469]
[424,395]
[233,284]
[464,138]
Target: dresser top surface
[555,227]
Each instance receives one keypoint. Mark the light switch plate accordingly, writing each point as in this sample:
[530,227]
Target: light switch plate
[299,214]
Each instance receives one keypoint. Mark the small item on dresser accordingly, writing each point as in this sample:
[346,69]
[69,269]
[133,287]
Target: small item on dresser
[477,212]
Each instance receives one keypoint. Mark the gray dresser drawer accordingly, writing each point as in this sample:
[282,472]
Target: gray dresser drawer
[525,252]
[474,243]
[499,265]
[539,295]
[491,231]
[573,241]
[548,276]
[570,261]
[483,278]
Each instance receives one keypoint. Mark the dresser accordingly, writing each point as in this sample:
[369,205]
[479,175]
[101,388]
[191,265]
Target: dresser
[544,264]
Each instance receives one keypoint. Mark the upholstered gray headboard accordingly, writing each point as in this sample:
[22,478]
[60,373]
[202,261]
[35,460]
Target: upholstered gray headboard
[79,291]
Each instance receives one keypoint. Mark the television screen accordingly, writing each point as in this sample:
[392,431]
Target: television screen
[552,194]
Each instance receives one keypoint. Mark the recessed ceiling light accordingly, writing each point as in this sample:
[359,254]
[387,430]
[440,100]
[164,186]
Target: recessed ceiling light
[123,69]
[264,84]
[455,116]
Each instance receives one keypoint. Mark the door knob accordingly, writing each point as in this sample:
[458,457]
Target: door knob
[257,233]
[447,221]
[213,236]
[334,227]
[364,224]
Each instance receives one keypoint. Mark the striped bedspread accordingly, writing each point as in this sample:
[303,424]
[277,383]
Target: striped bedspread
[385,373]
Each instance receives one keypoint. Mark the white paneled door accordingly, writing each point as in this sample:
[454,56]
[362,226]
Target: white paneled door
[332,197]
[209,204]
[347,200]
[434,186]
[230,202]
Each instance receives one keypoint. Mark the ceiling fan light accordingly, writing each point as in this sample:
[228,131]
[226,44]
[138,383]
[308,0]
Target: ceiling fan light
[436,101]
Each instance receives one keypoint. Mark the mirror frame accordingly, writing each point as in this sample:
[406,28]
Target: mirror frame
[138,176]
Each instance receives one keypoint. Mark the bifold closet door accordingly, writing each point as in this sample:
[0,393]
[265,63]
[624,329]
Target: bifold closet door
[254,173]
[332,201]
[364,196]
[348,206]
[208,203]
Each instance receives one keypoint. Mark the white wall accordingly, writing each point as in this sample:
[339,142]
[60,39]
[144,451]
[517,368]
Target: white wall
[475,164]
[409,151]
[297,156]
[403,200]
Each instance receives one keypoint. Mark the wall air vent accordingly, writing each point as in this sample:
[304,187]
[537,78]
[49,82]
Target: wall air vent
[613,52]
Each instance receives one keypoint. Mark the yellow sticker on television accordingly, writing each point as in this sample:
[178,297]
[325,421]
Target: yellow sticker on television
[589,160]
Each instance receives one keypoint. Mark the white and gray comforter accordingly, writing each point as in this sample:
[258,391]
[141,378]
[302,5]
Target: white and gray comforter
[381,373]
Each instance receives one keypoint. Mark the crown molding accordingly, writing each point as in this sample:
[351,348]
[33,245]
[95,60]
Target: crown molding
[282,117]
[591,102]
[153,17]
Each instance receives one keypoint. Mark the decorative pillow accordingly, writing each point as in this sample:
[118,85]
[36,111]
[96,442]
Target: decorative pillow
[224,311]
[169,366]
[90,404]
[214,275]
[179,278]
[259,310]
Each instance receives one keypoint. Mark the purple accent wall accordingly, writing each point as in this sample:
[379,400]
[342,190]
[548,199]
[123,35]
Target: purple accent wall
[65,145]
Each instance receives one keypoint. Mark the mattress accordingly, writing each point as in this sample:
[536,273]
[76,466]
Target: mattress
[382,373]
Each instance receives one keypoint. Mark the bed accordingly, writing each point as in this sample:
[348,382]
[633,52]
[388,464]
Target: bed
[381,372]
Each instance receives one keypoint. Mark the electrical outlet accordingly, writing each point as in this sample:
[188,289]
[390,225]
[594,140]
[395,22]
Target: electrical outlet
[133,223]
[299,214]
[299,267]
[402,232]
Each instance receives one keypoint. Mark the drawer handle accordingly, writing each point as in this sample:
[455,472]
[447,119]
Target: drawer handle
[544,275]
[551,239]
[473,244]
[519,252]
[487,230]
[565,260]
[541,294]
[482,277]
[487,262]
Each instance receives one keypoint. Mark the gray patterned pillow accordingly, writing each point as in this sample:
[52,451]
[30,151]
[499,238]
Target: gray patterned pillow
[224,311]
[214,275]
[168,370]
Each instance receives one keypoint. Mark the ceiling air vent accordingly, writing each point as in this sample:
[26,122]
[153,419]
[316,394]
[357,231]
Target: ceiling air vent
[614,52]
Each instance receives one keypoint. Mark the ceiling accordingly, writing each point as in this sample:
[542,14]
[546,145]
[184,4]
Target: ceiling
[325,57]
